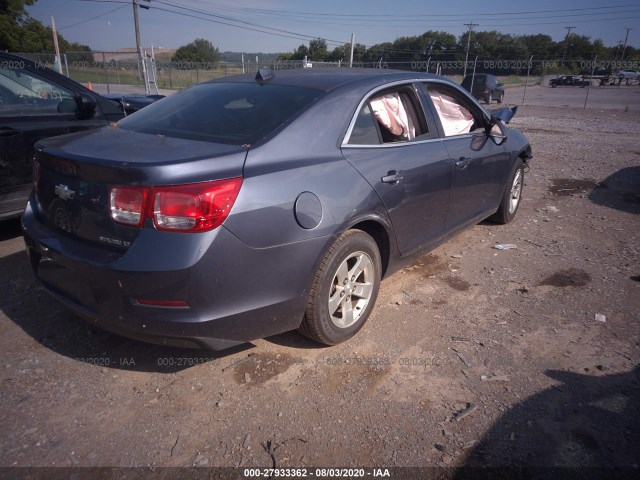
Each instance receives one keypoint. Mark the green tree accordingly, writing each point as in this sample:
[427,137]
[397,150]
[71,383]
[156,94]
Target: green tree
[300,53]
[13,17]
[200,50]
[22,34]
[540,46]
[378,52]
[343,53]
[318,50]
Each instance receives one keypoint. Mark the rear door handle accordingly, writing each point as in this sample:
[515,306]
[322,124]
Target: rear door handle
[392,177]
[9,132]
[462,163]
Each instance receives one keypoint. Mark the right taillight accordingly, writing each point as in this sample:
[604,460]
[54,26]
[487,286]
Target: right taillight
[181,208]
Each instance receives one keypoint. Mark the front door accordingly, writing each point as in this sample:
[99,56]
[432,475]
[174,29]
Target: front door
[410,173]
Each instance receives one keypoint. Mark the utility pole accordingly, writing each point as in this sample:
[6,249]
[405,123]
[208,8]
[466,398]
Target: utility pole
[136,25]
[57,63]
[566,43]
[353,44]
[617,50]
[626,37]
[466,59]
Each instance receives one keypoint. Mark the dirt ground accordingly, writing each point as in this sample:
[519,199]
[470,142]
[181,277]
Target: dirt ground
[474,356]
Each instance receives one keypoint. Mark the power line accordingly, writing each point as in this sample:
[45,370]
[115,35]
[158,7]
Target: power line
[294,35]
[241,21]
[97,16]
[365,20]
[412,16]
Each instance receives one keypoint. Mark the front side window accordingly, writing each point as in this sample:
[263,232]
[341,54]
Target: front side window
[228,113]
[25,93]
[455,117]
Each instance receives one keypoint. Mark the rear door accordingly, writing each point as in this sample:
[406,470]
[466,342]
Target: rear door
[32,107]
[409,170]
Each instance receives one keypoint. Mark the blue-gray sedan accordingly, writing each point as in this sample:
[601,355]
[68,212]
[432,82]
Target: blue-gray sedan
[257,204]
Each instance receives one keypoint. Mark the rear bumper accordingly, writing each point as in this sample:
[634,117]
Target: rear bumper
[234,293]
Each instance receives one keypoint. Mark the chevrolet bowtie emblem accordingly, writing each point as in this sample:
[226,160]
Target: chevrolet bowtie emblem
[64,192]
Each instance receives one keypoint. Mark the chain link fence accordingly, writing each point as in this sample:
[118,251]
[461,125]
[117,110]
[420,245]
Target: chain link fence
[118,68]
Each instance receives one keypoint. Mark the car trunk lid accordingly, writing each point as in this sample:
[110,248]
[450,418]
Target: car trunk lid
[75,174]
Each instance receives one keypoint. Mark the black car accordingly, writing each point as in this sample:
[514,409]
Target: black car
[132,102]
[486,87]
[568,81]
[36,102]
[251,205]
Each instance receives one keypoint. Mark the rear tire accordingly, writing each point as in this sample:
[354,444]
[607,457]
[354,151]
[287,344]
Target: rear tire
[511,196]
[489,98]
[501,97]
[344,290]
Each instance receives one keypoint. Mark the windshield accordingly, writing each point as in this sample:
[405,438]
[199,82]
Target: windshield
[228,113]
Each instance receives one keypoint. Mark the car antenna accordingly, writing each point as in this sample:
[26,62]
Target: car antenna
[264,75]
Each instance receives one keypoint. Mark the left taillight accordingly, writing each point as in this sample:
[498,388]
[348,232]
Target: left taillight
[181,208]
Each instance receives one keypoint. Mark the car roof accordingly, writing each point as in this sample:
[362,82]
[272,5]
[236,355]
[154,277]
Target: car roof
[327,79]
[19,58]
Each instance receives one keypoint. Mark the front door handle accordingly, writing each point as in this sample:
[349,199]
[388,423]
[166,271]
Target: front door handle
[462,163]
[392,177]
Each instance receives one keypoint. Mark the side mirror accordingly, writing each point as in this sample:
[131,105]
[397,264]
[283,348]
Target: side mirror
[86,106]
[504,114]
[497,133]
[495,128]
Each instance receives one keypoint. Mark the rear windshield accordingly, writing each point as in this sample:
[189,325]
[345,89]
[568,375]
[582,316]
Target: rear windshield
[228,113]
[477,80]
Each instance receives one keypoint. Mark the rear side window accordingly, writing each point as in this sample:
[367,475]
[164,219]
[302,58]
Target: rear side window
[392,116]
[228,113]
[365,130]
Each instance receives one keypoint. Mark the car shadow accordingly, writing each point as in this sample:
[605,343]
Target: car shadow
[10,229]
[585,427]
[43,318]
[620,190]
[294,339]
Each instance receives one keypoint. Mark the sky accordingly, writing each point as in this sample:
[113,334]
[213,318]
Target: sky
[272,26]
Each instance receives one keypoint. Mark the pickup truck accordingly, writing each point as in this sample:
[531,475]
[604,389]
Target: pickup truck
[35,103]
[568,80]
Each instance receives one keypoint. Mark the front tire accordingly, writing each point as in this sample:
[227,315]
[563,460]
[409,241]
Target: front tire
[344,289]
[511,196]
[489,98]
[501,97]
